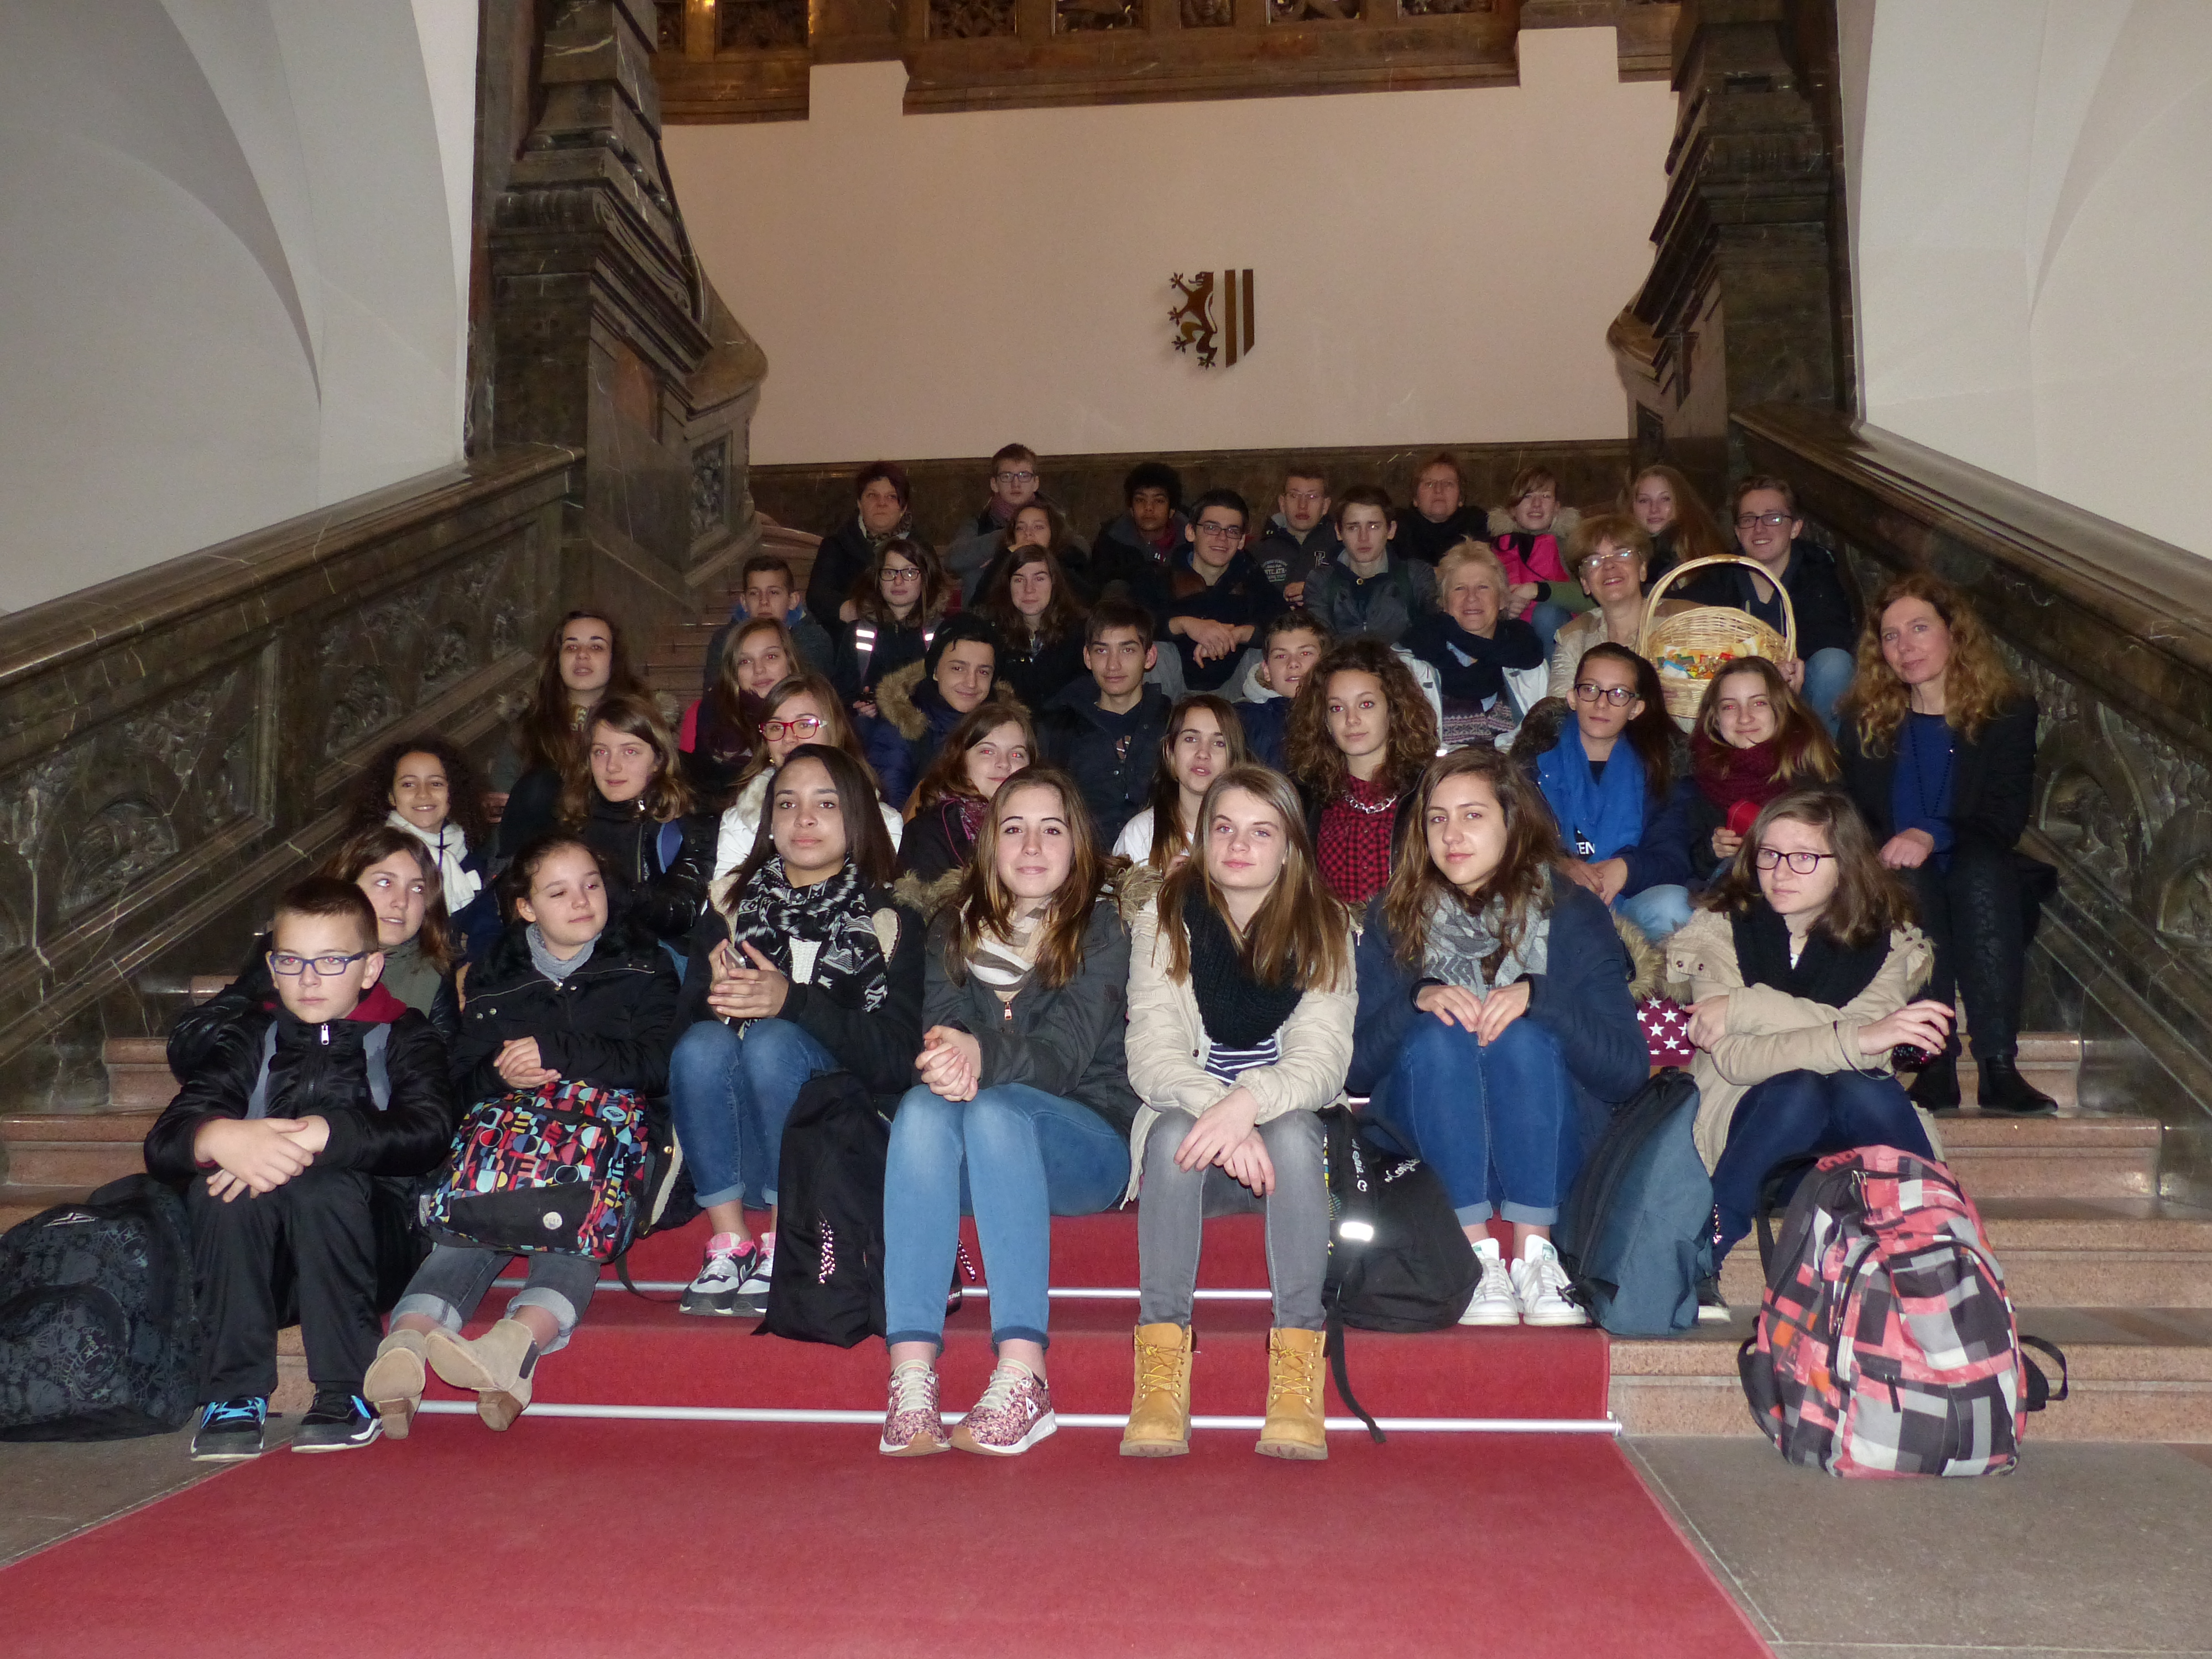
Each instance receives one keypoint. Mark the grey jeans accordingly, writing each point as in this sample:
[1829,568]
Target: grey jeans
[448,1285]
[1172,1205]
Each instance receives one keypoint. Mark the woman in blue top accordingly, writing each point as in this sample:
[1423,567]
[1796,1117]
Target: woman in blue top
[1938,746]
[1495,1030]
[1606,770]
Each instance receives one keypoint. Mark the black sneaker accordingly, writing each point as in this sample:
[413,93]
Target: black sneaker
[1712,1307]
[231,1430]
[337,1422]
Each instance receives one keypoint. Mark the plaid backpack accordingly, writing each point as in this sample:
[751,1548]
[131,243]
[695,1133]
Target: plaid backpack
[1886,1344]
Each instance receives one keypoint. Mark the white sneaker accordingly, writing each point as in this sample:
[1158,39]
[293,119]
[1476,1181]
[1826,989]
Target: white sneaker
[1543,1285]
[1495,1302]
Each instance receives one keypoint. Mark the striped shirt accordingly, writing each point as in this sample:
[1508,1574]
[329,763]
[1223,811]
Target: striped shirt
[1230,1064]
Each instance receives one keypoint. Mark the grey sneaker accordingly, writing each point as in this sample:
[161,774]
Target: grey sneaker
[720,1288]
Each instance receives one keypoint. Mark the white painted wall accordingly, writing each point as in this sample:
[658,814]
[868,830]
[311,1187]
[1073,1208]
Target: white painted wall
[234,268]
[2033,217]
[1429,264]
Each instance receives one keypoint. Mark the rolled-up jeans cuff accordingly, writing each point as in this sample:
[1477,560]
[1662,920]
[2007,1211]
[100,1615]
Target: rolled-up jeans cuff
[1469,1214]
[1529,1215]
[434,1307]
[562,1309]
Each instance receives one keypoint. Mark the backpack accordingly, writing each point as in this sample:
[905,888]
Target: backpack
[827,1283]
[1398,1258]
[1636,1236]
[100,1333]
[1886,1344]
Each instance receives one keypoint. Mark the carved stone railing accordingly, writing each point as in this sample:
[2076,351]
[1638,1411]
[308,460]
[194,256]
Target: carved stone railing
[747,60]
[174,744]
[2112,629]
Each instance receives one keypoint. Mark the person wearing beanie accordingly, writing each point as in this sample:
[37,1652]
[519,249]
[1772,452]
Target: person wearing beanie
[918,705]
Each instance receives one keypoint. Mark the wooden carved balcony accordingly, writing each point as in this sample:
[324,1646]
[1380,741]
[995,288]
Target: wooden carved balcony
[748,60]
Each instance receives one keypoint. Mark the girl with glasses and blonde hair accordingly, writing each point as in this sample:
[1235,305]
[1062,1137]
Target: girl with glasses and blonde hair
[1801,967]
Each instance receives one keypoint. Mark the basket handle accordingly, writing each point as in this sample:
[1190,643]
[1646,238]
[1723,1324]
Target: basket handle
[1659,589]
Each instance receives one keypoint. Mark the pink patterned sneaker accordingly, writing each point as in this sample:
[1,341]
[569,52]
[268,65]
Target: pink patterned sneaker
[913,1427]
[1014,1413]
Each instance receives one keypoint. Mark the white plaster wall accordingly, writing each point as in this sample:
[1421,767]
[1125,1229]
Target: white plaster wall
[1428,264]
[2033,210]
[234,268]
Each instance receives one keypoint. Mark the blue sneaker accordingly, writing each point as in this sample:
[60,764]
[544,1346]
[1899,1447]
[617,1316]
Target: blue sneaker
[231,1430]
[337,1422]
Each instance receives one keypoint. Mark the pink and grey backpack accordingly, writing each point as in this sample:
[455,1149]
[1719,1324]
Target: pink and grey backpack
[1886,1344]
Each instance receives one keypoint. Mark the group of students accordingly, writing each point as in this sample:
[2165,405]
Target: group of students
[1092,944]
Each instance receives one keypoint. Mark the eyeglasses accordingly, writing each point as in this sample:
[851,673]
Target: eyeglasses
[802,728]
[1303,495]
[1217,531]
[1766,858]
[1752,521]
[1014,477]
[290,965]
[1619,695]
[906,576]
[1620,555]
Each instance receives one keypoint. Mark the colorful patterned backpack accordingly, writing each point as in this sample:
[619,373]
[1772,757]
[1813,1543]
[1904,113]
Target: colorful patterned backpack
[1886,1344]
[562,1167]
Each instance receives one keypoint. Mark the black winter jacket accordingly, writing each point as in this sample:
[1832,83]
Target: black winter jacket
[936,841]
[197,1030]
[1122,566]
[896,646]
[1286,559]
[1992,788]
[608,1023]
[878,1047]
[321,1070]
[1242,597]
[1417,538]
[1069,1040]
[666,898]
[532,808]
[841,560]
[1111,756]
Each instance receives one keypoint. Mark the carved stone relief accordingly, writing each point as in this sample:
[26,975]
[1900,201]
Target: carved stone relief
[759,25]
[1076,16]
[710,488]
[1206,14]
[970,19]
[1311,12]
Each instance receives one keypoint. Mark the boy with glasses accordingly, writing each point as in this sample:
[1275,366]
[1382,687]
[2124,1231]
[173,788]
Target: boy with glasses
[1014,484]
[1301,536]
[1769,532]
[1218,597]
[279,1139]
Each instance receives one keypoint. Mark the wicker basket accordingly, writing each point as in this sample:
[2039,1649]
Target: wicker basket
[1709,629]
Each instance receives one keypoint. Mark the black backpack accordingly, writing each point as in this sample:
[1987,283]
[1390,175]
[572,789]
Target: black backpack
[1398,1258]
[827,1285]
[100,1333]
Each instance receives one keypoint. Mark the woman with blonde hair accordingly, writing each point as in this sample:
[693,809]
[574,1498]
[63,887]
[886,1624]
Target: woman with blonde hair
[1938,745]
[1024,1102]
[1240,999]
[1474,647]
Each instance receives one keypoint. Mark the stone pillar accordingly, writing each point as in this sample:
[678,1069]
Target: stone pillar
[1742,306]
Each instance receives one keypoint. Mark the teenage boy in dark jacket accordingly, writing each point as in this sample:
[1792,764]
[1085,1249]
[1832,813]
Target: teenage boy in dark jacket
[1219,597]
[770,592]
[1106,730]
[278,1136]
[1368,587]
[1301,536]
[1129,560]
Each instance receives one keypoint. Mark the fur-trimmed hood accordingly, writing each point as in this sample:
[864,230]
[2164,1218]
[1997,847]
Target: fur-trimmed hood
[1563,525]
[926,898]
[1647,967]
[901,700]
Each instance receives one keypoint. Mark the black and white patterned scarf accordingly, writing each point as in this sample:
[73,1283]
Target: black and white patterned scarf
[831,925]
[1461,942]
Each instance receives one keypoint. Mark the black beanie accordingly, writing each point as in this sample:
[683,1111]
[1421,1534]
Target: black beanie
[961,625]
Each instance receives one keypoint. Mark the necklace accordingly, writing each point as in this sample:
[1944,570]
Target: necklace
[1372,809]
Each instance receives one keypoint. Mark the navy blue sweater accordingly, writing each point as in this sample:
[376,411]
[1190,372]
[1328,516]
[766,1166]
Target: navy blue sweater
[1581,998]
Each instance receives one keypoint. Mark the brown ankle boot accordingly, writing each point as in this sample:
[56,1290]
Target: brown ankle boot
[393,1386]
[1295,1426]
[1159,1416]
[496,1367]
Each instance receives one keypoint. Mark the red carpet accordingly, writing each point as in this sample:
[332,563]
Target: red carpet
[565,1538]
[632,1353]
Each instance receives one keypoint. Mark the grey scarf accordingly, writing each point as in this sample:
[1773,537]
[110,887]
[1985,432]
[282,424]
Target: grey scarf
[550,965]
[1461,942]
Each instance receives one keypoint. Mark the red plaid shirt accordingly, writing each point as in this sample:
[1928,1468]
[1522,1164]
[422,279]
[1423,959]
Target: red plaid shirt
[1354,849]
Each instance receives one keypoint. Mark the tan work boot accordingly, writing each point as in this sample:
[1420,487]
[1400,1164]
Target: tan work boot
[393,1386]
[496,1368]
[1295,1427]
[1159,1415]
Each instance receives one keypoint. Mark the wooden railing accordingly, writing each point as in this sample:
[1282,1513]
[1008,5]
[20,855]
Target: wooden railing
[747,60]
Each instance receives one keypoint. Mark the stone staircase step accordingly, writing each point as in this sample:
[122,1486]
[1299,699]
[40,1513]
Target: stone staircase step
[2071,1156]
[80,1149]
[205,988]
[20,1203]
[2070,1252]
[138,1072]
[2138,1374]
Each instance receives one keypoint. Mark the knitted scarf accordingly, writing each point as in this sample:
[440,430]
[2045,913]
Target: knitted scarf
[1004,962]
[450,846]
[1826,972]
[555,968]
[1730,776]
[1596,818]
[834,917]
[1236,1009]
[1461,943]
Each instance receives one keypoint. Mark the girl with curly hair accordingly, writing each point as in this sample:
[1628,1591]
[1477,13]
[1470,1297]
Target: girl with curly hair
[426,787]
[1496,1030]
[1938,742]
[1361,732]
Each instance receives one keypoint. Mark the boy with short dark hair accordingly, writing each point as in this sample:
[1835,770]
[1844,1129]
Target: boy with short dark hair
[771,592]
[1288,647]
[1302,536]
[280,1137]
[1129,559]
[1368,588]
[1219,597]
[1106,730]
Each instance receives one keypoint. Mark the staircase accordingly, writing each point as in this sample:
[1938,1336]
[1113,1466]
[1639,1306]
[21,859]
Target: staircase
[2095,1259]
[676,655]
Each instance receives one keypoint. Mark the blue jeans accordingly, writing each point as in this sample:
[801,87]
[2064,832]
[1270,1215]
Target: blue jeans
[1495,1122]
[1547,619]
[730,1096]
[1013,1157]
[1827,676]
[1800,1114]
[1656,911]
